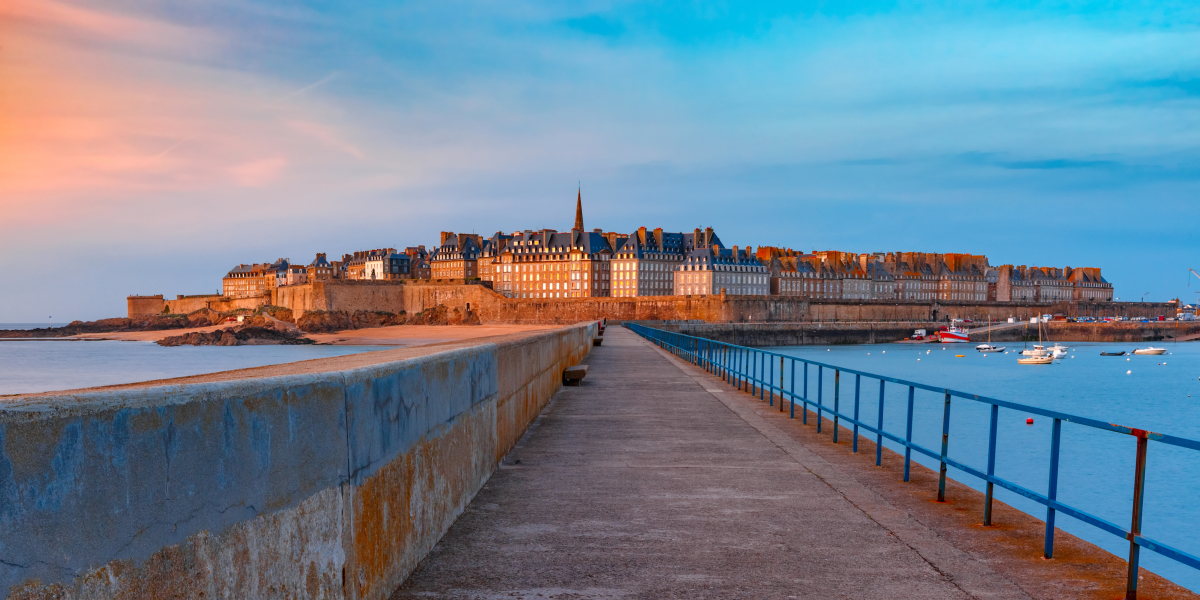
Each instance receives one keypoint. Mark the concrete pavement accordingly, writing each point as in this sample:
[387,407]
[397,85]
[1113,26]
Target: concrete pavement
[655,480]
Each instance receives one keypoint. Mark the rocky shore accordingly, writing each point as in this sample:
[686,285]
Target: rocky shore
[238,336]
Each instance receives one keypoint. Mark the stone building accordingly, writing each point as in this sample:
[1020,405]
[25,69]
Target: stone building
[457,257]
[716,270]
[385,264]
[1088,285]
[644,264]
[491,260]
[550,264]
[961,277]
[418,262]
[250,281]
[320,269]
[247,281]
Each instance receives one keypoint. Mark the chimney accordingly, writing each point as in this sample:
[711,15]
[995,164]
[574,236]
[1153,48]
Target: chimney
[708,236]
[445,235]
[658,238]
[697,238]
[736,257]
[641,233]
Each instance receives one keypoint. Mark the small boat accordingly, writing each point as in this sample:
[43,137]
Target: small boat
[1038,350]
[954,334]
[1151,351]
[1057,351]
[1112,354]
[989,348]
[1036,360]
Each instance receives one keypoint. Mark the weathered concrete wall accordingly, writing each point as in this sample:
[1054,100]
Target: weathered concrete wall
[392,296]
[321,485]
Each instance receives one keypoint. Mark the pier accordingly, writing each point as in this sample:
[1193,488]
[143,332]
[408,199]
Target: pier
[657,479]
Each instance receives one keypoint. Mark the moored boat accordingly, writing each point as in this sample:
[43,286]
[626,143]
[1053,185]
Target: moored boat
[953,334]
[1112,354]
[1044,359]
[989,348]
[1152,351]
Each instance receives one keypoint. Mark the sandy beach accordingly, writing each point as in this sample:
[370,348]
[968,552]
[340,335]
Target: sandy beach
[398,335]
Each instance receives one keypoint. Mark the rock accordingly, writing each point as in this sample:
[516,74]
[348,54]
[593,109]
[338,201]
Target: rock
[227,339]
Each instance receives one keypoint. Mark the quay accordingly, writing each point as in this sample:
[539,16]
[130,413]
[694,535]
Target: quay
[467,470]
[655,479]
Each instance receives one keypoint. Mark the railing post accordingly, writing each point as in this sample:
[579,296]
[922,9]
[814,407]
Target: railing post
[771,380]
[780,384]
[820,378]
[753,369]
[991,468]
[837,387]
[945,448]
[1135,528]
[908,435]
[804,412]
[1052,492]
[879,430]
[762,376]
[857,383]
[793,388]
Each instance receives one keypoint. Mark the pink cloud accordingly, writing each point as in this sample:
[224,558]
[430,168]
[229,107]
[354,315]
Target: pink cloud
[258,173]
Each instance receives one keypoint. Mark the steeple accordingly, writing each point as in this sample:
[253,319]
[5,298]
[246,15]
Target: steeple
[579,211]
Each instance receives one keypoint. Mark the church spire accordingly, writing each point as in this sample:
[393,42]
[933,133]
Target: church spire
[579,211]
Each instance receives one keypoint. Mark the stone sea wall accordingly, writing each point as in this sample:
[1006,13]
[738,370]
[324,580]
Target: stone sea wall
[318,485]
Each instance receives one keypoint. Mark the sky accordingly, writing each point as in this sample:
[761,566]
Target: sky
[148,147]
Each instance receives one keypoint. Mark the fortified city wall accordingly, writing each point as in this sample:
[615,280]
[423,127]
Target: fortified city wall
[304,484]
[493,308]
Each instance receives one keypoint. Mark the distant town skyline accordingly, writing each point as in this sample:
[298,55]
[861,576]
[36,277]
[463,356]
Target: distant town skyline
[150,148]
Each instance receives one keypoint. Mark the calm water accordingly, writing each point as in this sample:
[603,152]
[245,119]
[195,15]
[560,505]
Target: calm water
[1158,393]
[42,366]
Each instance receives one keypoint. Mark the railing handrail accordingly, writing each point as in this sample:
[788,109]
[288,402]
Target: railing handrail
[729,361]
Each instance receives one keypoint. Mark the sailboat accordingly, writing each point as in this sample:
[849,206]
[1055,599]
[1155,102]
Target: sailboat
[988,347]
[1039,355]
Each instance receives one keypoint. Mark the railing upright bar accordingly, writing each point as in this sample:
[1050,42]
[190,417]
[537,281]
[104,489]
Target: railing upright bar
[837,386]
[879,429]
[762,375]
[771,381]
[780,383]
[908,434]
[991,468]
[1135,528]
[793,409]
[820,388]
[945,449]
[804,413]
[857,384]
[753,368]
[1052,491]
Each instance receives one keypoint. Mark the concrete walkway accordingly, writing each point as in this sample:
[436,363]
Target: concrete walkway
[655,479]
[643,484]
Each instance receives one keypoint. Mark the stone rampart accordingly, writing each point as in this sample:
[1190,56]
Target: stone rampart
[311,485]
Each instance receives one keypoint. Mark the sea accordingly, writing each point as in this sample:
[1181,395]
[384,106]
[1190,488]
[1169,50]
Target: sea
[28,366]
[1096,472]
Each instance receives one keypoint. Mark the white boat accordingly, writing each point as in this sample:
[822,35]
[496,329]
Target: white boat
[1036,360]
[1039,355]
[1151,351]
[989,348]
[1057,351]
[954,334]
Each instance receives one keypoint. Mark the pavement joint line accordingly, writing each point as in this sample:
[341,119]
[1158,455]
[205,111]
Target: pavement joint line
[971,576]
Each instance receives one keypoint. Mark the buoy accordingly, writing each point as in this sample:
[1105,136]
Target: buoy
[1029,421]
[918,360]
[1128,372]
[885,351]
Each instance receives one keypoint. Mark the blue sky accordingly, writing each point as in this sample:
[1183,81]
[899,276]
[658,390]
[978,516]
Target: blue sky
[150,147]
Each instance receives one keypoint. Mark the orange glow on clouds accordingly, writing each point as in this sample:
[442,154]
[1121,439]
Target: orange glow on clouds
[98,110]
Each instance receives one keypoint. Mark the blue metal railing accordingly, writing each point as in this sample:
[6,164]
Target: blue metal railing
[753,370]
